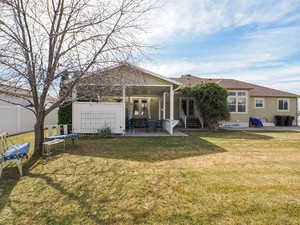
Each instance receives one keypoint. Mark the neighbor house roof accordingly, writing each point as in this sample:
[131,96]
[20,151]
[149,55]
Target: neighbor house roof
[254,90]
[12,89]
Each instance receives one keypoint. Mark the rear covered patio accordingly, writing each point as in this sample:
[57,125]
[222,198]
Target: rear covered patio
[149,108]
[127,99]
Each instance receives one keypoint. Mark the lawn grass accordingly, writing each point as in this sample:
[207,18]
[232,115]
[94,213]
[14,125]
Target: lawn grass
[205,178]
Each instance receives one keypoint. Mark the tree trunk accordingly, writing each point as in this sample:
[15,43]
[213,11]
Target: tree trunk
[39,135]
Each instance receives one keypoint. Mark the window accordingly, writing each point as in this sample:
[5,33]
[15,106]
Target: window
[232,104]
[141,108]
[136,107]
[144,106]
[237,101]
[259,103]
[241,104]
[283,105]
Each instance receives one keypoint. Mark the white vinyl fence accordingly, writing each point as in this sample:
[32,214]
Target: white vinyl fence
[90,117]
[15,119]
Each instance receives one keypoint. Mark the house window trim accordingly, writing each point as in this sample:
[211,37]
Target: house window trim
[237,97]
[256,105]
[283,110]
[140,99]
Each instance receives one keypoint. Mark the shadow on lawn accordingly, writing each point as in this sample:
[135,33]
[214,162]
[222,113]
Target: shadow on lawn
[146,149]
[92,208]
[10,178]
[231,134]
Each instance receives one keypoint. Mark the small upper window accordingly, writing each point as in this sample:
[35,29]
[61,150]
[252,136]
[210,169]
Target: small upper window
[231,93]
[241,93]
[283,105]
[259,103]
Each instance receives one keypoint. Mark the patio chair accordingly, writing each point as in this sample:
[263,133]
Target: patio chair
[159,125]
[59,136]
[151,125]
[12,154]
[256,122]
[129,124]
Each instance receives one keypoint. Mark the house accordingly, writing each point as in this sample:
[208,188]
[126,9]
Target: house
[14,118]
[111,97]
[249,100]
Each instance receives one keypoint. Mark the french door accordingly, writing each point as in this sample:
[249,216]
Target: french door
[141,108]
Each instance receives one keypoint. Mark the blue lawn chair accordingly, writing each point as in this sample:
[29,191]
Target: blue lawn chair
[12,154]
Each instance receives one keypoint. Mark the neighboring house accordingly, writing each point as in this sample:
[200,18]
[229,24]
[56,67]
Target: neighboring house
[111,97]
[13,117]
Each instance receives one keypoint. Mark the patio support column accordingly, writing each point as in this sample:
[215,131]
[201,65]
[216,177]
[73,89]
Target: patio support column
[124,107]
[159,108]
[180,107]
[164,105]
[171,103]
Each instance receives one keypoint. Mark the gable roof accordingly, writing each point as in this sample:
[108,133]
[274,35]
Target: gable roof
[254,90]
[137,68]
[151,73]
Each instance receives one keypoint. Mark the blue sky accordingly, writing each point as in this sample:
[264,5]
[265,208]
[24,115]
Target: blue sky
[256,41]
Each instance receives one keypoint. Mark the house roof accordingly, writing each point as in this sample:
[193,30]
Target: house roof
[134,67]
[151,73]
[8,88]
[254,90]
[11,89]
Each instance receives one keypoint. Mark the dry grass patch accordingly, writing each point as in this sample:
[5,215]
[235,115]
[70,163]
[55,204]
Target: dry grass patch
[206,178]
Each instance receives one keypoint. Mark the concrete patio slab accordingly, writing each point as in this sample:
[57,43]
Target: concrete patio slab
[142,133]
[266,129]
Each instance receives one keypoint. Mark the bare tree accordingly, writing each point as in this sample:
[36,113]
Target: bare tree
[42,40]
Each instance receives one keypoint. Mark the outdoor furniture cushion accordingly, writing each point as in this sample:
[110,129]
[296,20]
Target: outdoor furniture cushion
[256,122]
[151,123]
[65,136]
[16,151]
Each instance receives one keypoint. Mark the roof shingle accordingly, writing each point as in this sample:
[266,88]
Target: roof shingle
[254,90]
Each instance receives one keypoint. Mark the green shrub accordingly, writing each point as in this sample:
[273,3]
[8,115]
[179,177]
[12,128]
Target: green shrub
[211,99]
[65,114]
[105,132]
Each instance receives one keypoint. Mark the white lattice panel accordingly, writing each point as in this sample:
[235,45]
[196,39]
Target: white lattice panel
[92,117]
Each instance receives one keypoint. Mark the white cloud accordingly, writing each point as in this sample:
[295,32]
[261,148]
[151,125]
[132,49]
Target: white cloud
[259,49]
[177,19]
[258,57]
[284,78]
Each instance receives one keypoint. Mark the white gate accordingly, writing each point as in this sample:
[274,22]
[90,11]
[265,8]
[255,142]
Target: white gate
[91,117]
